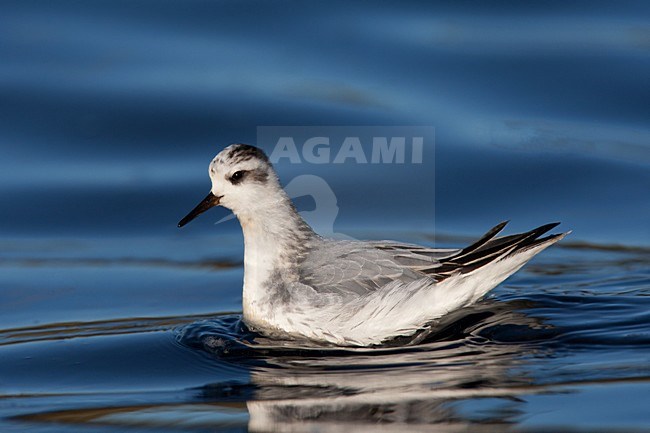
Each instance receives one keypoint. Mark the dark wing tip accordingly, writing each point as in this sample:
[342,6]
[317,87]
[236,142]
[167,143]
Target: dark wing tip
[543,229]
[485,238]
[489,248]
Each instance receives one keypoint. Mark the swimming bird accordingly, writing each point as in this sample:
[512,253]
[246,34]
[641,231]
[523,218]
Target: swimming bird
[299,285]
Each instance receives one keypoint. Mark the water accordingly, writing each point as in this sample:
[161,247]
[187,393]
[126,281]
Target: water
[111,319]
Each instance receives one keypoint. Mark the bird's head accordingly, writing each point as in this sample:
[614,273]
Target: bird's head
[243,180]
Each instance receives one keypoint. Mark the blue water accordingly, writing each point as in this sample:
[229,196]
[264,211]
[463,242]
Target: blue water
[112,319]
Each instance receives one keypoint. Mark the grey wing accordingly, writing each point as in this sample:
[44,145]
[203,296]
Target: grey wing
[349,267]
[415,257]
[489,248]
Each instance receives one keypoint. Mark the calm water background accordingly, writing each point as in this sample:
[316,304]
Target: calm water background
[111,319]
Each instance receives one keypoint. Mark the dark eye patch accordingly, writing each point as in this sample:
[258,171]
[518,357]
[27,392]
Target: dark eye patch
[237,176]
[258,175]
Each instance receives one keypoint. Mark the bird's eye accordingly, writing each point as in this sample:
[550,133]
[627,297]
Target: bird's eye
[237,176]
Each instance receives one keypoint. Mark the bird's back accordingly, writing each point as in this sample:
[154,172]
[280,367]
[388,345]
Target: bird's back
[357,268]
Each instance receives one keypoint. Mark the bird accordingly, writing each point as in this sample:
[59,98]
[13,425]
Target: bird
[301,286]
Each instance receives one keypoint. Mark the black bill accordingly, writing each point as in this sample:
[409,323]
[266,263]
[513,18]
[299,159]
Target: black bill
[209,201]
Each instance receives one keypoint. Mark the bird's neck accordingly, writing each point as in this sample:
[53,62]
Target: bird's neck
[276,239]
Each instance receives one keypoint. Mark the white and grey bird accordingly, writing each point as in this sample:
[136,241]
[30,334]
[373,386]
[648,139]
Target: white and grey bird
[300,285]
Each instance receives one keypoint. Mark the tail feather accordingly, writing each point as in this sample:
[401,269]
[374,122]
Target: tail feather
[483,240]
[489,249]
[551,239]
[520,238]
[501,244]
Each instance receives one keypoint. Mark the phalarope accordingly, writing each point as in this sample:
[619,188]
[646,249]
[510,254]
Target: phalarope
[298,284]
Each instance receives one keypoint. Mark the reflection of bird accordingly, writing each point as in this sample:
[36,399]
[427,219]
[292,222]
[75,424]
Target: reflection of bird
[301,285]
